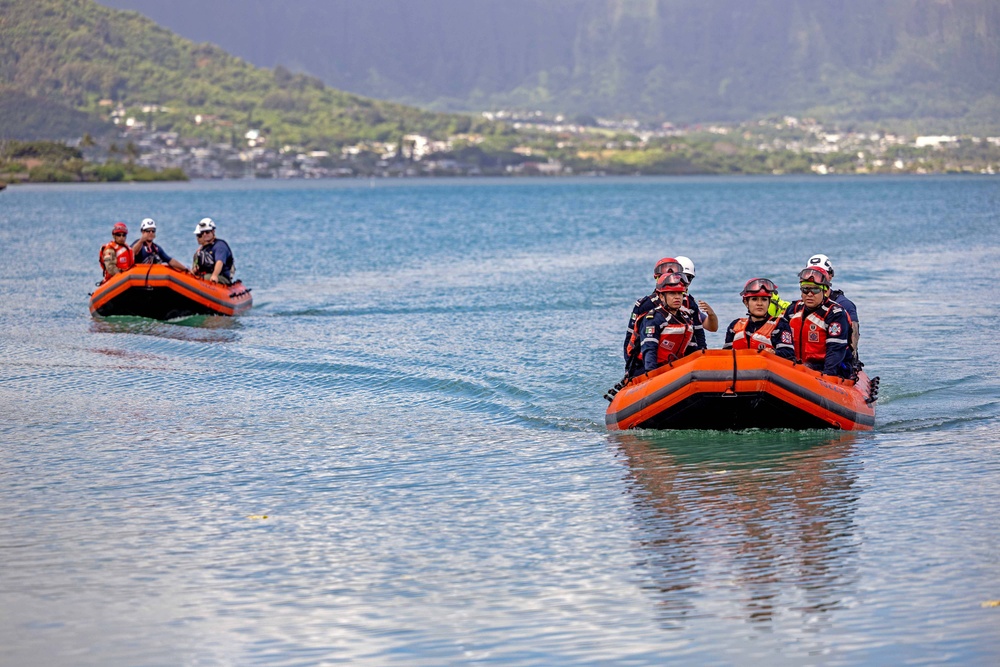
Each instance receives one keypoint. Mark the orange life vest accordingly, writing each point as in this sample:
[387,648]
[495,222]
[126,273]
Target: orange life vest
[674,335]
[809,332]
[761,336]
[124,259]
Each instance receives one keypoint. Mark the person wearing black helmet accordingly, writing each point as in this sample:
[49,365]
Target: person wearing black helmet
[147,251]
[667,333]
[819,325]
[758,329]
[214,258]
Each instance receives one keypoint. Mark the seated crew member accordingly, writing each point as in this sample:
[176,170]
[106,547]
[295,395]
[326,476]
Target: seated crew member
[760,329]
[148,252]
[709,320]
[116,256]
[214,258]
[633,361]
[667,333]
[819,325]
[823,262]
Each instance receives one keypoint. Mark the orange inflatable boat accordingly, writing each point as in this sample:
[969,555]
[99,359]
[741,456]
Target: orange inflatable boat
[739,389]
[163,293]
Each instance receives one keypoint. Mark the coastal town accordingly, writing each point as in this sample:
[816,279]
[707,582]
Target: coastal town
[552,145]
[526,143]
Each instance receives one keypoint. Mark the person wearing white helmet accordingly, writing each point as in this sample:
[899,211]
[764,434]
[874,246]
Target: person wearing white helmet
[711,320]
[823,262]
[147,251]
[214,258]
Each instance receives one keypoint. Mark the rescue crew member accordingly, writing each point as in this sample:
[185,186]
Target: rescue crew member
[823,262]
[759,329]
[148,252]
[116,256]
[633,360]
[667,333]
[214,258]
[709,320]
[819,325]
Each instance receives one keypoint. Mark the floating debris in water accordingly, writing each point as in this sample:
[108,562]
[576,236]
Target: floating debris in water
[991,603]
[257,516]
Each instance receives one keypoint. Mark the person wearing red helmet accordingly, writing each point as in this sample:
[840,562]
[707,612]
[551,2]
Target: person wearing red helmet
[667,333]
[820,327]
[633,360]
[116,256]
[758,329]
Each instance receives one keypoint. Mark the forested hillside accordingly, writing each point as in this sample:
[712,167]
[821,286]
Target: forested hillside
[66,65]
[680,60]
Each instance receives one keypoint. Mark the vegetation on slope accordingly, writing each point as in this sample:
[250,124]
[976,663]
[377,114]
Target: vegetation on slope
[70,56]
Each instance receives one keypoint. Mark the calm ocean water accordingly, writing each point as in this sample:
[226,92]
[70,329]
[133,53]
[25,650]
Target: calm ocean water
[415,405]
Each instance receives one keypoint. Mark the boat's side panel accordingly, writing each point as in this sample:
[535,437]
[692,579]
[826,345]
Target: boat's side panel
[203,297]
[702,391]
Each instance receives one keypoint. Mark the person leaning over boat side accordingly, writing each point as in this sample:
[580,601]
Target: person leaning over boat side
[148,252]
[759,329]
[823,262]
[819,325]
[214,258]
[708,319]
[116,256]
[633,360]
[667,333]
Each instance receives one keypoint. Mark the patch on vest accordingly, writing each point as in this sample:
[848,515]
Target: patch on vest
[667,345]
[813,337]
[834,329]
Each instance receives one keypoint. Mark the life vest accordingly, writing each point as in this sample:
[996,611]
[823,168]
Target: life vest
[673,337]
[124,260]
[809,332]
[204,261]
[760,337]
[153,254]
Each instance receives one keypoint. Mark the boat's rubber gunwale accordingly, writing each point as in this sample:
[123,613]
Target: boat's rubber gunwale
[222,299]
[716,382]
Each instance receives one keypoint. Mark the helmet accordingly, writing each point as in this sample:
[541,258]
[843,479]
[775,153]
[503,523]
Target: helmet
[687,266]
[672,282]
[119,228]
[823,262]
[815,275]
[759,287]
[666,265]
[204,225]
[146,224]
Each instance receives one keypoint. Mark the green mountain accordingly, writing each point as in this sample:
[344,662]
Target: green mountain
[677,60]
[66,65]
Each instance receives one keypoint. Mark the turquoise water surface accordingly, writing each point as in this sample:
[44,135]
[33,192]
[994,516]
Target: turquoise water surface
[415,405]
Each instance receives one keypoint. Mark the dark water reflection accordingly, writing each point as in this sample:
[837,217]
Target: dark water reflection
[770,516]
[197,328]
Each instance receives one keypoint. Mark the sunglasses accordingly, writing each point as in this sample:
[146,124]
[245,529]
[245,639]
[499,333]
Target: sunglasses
[119,234]
[811,290]
[200,234]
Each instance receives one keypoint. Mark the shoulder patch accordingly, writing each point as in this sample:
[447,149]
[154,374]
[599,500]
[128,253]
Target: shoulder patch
[786,337]
[834,329]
